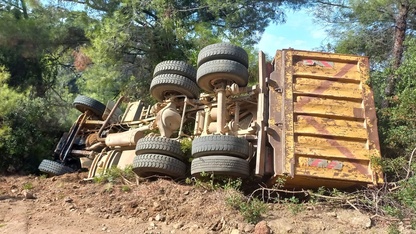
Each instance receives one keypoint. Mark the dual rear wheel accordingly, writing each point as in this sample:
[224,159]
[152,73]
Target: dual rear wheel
[217,154]
[220,63]
[217,63]
[159,156]
[171,78]
[223,155]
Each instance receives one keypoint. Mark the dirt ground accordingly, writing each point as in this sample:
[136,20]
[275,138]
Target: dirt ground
[69,204]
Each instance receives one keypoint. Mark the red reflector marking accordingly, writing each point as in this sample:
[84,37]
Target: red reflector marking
[321,163]
[310,62]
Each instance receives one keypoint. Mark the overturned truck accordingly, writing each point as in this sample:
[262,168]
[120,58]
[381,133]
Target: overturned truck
[310,119]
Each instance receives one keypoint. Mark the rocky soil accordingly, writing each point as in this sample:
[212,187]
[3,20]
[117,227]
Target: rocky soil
[69,204]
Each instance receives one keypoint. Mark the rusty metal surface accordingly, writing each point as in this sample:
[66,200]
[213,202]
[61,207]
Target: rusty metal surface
[261,117]
[275,128]
[329,126]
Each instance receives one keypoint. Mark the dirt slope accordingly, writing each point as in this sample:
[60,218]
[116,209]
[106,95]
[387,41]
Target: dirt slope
[68,204]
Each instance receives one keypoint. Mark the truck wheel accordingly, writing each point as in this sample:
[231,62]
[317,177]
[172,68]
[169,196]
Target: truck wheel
[159,145]
[220,145]
[215,71]
[173,84]
[54,168]
[220,165]
[223,51]
[175,67]
[157,164]
[84,103]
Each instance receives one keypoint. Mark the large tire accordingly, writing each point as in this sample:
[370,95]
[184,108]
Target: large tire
[220,165]
[223,51]
[220,145]
[165,84]
[159,145]
[175,67]
[145,165]
[84,103]
[54,168]
[216,71]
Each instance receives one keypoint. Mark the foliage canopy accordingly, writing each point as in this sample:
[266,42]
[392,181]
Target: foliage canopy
[50,52]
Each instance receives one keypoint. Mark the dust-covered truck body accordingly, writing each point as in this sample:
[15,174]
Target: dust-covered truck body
[309,120]
[322,120]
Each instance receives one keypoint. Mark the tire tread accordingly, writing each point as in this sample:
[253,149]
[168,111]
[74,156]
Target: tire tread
[220,165]
[223,51]
[83,103]
[159,145]
[220,144]
[173,82]
[175,67]
[148,164]
[54,168]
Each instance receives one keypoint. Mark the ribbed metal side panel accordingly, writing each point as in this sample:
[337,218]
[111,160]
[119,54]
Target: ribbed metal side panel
[327,122]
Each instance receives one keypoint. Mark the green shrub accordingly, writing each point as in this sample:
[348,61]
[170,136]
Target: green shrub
[250,209]
[212,182]
[186,147]
[25,139]
[294,205]
[407,193]
[393,229]
[393,211]
[413,224]
[27,186]
[115,175]
[125,188]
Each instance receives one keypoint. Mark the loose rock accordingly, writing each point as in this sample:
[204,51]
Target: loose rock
[159,218]
[332,214]
[178,225]
[28,195]
[68,199]
[261,228]
[355,218]
[249,228]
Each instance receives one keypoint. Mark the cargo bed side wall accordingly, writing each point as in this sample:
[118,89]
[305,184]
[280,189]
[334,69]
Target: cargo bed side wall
[322,119]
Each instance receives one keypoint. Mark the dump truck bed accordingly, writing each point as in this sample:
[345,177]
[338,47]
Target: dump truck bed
[322,120]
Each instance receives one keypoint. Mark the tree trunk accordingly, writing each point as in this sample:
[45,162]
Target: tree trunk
[399,37]
[24,9]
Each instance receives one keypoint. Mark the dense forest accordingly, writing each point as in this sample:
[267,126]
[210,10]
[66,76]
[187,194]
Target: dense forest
[50,51]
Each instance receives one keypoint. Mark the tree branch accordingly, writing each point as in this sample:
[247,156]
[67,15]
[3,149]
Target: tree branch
[147,12]
[333,4]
